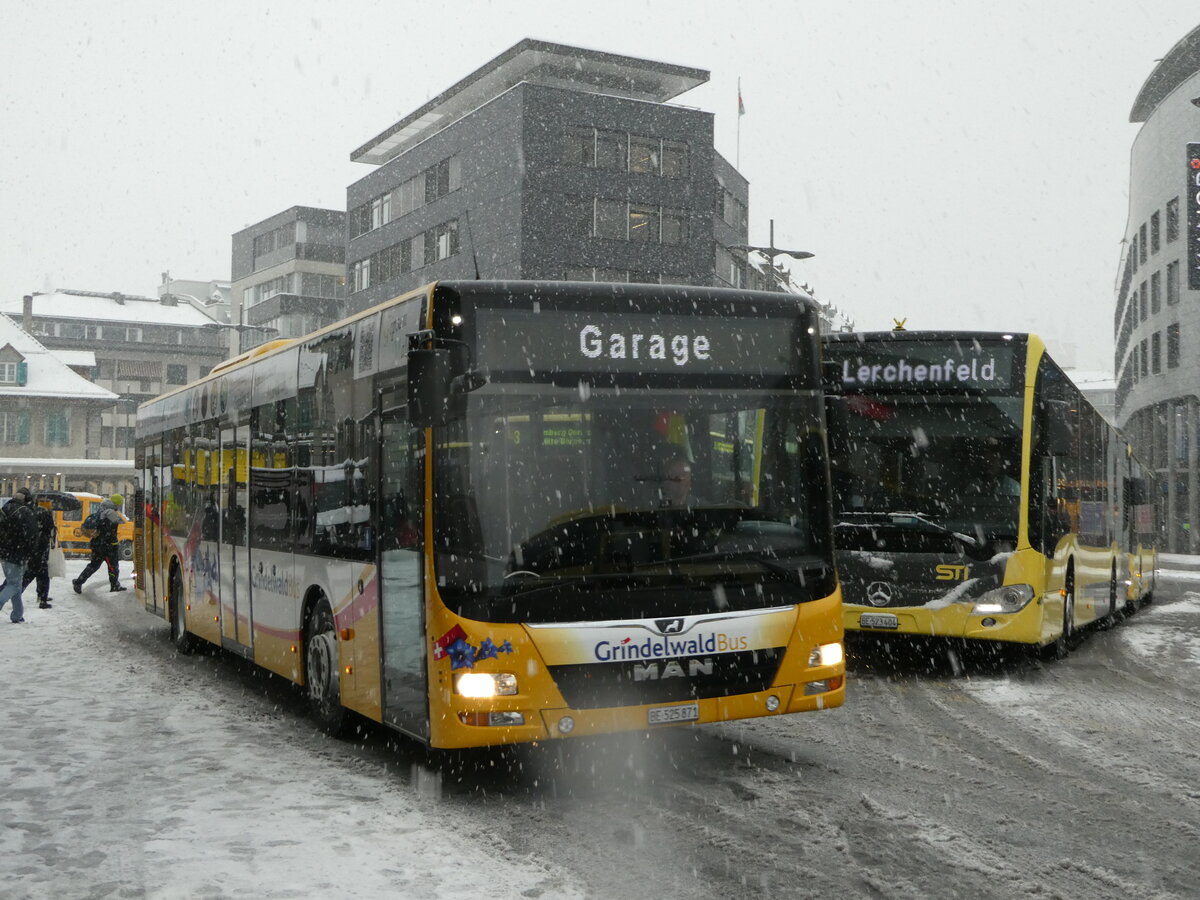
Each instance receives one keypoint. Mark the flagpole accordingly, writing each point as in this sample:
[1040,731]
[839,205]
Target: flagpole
[737,164]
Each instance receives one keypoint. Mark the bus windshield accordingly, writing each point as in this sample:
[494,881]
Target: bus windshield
[565,504]
[918,472]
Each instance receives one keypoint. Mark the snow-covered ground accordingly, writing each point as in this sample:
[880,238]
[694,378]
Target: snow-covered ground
[124,774]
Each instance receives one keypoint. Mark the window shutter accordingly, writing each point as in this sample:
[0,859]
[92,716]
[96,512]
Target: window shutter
[23,426]
[22,373]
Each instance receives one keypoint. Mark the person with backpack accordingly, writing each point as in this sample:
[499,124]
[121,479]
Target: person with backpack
[18,533]
[38,566]
[103,522]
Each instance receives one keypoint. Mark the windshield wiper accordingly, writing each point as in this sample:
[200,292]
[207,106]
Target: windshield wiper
[899,517]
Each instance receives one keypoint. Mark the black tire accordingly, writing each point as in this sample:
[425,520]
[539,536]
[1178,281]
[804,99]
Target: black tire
[184,641]
[1061,648]
[125,550]
[1116,614]
[321,666]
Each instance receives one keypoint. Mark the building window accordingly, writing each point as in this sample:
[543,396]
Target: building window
[644,155]
[1156,353]
[643,223]
[425,187]
[14,427]
[579,147]
[58,428]
[612,150]
[1144,359]
[1144,301]
[1133,253]
[1172,220]
[1173,346]
[1156,293]
[674,227]
[176,373]
[1133,362]
[727,267]
[274,239]
[8,373]
[674,159]
[1172,283]
[611,219]
[731,210]
[1155,232]
[1142,242]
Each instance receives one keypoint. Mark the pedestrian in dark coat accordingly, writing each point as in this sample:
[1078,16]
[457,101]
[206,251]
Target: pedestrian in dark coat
[104,548]
[38,566]
[18,532]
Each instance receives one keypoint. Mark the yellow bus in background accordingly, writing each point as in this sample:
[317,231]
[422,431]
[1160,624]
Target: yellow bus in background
[978,494]
[70,508]
[497,512]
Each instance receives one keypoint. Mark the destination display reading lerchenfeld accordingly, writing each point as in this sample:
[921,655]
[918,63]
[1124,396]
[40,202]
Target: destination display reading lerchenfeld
[569,341]
[912,366]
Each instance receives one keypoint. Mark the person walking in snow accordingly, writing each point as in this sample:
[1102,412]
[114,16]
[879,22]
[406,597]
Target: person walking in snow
[18,533]
[38,565]
[104,546]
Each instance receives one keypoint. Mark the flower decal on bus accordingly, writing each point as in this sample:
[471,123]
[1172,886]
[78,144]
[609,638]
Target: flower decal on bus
[463,654]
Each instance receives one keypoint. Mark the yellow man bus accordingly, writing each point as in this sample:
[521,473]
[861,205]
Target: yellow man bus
[978,494]
[489,513]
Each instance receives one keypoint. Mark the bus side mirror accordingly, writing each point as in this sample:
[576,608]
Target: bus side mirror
[428,387]
[1060,432]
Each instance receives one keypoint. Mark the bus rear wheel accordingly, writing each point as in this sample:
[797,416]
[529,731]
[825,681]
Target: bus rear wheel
[321,671]
[184,640]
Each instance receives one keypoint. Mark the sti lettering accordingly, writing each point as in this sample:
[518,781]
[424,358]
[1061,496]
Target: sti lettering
[593,344]
[904,372]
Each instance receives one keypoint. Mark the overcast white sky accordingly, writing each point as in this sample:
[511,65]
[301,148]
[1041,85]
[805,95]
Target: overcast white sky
[959,164]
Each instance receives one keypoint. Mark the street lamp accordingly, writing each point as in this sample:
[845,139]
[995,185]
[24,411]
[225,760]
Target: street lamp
[240,328]
[771,251]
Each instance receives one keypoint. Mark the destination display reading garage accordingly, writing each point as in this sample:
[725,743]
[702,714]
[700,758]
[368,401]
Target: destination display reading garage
[568,341]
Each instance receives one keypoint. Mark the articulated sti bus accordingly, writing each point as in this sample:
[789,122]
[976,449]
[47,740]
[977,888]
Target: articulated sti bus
[488,513]
[977,493]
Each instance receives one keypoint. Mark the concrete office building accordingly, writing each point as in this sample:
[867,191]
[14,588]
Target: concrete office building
[289,275]
[548,162]
[1157,321]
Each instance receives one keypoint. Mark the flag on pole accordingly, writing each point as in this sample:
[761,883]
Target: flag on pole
[741,105]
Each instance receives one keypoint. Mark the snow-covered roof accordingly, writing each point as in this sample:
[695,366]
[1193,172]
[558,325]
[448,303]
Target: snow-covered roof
[76,357]
[27,465]
[95,307]
[47,375]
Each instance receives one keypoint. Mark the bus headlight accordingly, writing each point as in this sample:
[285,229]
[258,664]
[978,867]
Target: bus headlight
[486,684]
[1008,599]
[826,655]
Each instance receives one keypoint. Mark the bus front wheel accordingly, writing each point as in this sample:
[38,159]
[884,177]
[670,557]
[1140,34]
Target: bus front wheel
[321,671]
[1061,647]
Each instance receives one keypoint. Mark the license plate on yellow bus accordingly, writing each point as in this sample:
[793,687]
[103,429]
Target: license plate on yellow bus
[878,620]
[665,715]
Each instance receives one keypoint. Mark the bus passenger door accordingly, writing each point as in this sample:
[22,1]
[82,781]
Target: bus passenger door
[234,553]
[152,528]
[401,595]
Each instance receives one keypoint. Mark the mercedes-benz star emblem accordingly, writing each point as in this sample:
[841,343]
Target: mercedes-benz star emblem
[880,593]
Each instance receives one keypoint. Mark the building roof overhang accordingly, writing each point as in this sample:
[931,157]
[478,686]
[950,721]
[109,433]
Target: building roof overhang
[1180,63]
[539,62]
